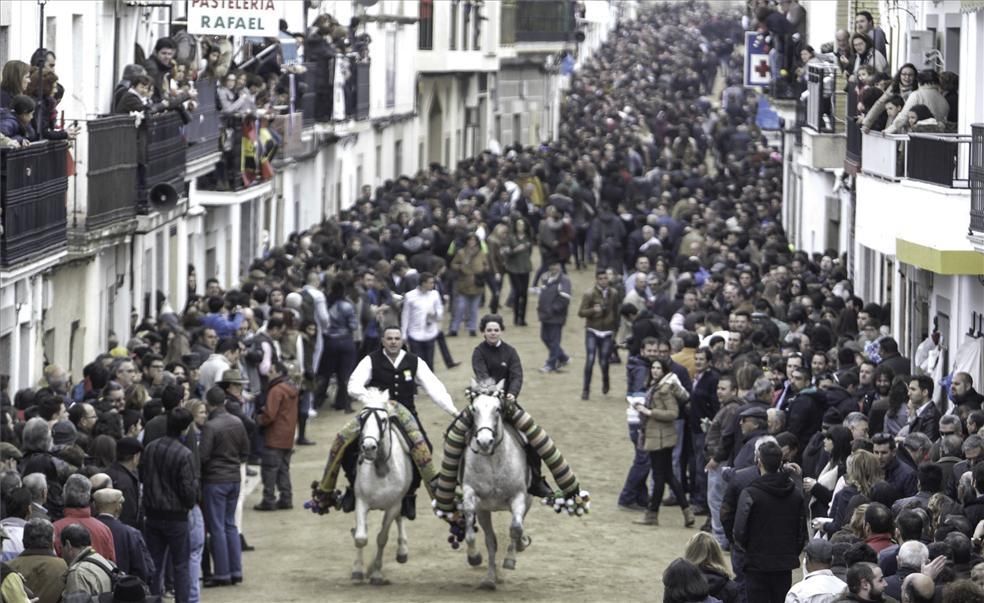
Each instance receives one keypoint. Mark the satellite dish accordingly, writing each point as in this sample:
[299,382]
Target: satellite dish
[368,3]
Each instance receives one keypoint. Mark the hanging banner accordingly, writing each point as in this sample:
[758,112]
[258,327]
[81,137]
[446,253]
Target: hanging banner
[260,18]
[757,72]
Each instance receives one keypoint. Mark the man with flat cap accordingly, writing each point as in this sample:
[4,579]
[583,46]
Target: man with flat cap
[132,555]
[124,475]
[819,584]
[753,422]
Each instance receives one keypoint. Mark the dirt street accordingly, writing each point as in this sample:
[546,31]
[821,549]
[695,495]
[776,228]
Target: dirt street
[301,556]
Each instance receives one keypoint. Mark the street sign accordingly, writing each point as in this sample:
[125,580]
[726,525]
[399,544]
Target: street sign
[757,71]
[234,17]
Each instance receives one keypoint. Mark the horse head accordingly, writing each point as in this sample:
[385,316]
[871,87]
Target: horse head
[486,408]
[374,420]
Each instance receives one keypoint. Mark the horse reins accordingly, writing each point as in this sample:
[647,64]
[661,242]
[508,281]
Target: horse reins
[497,435]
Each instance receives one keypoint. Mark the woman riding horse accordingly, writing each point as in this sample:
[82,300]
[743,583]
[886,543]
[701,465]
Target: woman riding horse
[495,360]
[398,372]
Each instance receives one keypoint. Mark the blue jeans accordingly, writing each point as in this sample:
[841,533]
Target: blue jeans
[600,347]
[196,542]
[679,425]
[550,336]
[465,304]
[715,496]
[635,490]
[168,539]
[220,509]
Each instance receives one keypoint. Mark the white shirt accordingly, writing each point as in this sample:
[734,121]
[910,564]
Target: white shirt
[821,586]
[211,370]
[416,322]
[425,378]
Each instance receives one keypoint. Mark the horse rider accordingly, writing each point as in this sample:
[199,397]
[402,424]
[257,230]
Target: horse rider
[496,360]
[399,372]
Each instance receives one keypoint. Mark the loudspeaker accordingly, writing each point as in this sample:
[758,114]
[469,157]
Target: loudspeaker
[579,36]
[163,197]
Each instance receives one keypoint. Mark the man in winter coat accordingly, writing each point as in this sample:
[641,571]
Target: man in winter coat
[770,528]
[599,308]
[279,419]
[551,309]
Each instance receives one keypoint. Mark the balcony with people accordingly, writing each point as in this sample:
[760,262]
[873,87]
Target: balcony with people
[36,162]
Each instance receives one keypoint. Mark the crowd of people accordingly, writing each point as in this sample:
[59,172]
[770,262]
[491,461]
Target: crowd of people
[760,389]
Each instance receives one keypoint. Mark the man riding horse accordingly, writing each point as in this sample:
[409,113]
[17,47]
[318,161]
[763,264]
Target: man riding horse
[399,372]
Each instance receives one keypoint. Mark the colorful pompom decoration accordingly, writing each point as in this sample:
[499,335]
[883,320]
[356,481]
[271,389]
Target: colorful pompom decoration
[322,502]
[576,504]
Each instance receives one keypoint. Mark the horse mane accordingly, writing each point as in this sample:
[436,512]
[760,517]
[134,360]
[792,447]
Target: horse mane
[375,398]
[484,387]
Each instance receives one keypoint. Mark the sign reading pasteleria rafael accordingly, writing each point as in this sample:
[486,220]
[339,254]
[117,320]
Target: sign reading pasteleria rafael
[257,18]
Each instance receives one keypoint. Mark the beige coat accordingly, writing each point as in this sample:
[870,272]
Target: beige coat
[659,431]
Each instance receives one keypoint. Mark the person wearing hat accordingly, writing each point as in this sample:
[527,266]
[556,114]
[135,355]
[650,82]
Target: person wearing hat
[753,422]
[132,555]
[124,475]
[224,447]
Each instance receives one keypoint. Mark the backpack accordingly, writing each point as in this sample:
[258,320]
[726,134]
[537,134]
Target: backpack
[115,575]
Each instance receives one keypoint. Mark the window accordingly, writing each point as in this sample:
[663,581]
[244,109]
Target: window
[397,158]
[464,29]
[390,69]
[425,27]
[379,162]
[453,39]
[517,128]
[447,152]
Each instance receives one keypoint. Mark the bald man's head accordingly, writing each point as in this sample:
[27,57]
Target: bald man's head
[917,588]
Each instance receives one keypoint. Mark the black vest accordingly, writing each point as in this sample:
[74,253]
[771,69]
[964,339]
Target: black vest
[400,380]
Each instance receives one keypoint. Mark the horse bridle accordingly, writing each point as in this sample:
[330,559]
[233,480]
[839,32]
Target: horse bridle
[382,422]
[497,433]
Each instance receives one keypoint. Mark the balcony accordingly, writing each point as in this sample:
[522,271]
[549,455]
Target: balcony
[853,155]
[542,21]
[289,127]
[32,199]
[167,152]
[820,98]
[975,175]
[112,173]
[923,175]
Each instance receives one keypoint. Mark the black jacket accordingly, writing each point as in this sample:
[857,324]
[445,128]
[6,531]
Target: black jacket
[902,476]
[928,422]
[126,481]
[770,523]
[498,363]
[737,481]
[722,587]
[224,446]
[170,480]
[805,414]
[132,555]
[703,399]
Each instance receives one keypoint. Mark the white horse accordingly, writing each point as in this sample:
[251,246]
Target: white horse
[382,479]
[495,477]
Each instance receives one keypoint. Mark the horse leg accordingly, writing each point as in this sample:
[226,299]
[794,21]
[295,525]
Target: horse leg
[402,550]
[359,535]
[468,506]
[376,571]
[516,543]
[492,577]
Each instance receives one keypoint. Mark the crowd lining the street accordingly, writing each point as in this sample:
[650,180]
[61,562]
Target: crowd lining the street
[760,389]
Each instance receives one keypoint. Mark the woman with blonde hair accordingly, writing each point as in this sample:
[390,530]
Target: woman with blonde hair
[863,470]
[705,552]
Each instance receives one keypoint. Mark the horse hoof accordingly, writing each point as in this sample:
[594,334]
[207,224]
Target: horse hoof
[475,561]
[487,585]
[402,558]
[523,544]
[509,564]
[377,581]
[358,576]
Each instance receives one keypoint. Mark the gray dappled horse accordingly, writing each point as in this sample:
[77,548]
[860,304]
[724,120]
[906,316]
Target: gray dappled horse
[495,477]
[382,479]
